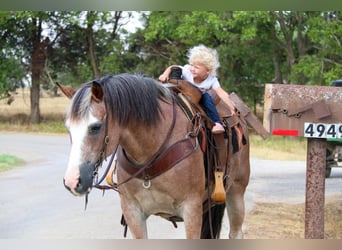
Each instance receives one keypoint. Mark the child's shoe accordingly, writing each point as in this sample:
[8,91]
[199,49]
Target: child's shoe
[217,129]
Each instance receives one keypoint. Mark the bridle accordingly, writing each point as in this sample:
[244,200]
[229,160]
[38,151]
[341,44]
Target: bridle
[102,156]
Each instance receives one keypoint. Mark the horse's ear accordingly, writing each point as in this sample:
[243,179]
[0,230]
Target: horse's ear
[96,92]
[67,91]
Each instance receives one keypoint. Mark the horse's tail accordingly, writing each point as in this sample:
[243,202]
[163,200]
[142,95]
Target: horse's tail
[212,222]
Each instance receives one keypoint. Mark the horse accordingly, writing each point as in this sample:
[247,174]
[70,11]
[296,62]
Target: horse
[138,117]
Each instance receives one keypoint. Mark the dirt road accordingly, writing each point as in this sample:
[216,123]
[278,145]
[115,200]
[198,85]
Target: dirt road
[34,203]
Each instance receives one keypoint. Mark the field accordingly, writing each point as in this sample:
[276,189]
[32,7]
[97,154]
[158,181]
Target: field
[15,117]
[265,221]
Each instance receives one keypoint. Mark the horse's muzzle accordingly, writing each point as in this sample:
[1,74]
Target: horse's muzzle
[85,180]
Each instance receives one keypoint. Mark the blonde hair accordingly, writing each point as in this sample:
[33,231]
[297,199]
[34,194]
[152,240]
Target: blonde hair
[206,56]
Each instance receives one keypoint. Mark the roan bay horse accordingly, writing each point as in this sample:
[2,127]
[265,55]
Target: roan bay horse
[138,116]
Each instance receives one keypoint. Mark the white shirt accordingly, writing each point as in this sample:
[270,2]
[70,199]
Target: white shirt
[211,82]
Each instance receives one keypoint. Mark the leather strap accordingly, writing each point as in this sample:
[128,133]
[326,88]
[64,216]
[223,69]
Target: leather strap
[170,157]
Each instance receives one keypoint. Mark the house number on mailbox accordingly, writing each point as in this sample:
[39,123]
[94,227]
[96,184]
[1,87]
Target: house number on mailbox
[322,130]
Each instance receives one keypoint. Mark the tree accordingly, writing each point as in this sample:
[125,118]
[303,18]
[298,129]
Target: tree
[323,63]
[90,47]
[28,31]
[244,57]
[59,44]
[255,47]
[12,72]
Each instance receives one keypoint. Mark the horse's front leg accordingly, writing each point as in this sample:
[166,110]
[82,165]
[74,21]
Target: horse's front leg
[135,219]
[192,216]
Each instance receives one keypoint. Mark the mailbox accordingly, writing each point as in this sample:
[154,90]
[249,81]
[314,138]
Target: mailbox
[299,110]
[314,112]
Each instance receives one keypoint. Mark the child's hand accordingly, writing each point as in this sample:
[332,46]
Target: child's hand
[163,78]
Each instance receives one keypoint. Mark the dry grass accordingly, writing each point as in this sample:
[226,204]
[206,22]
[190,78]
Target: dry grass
[21,105]
[15,117]
[286,221]
[278,148]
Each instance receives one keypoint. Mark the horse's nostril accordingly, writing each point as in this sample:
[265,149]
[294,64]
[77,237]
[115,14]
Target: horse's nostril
[68,188]
[79,185]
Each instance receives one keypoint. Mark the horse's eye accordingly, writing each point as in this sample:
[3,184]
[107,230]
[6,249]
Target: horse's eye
[94,128]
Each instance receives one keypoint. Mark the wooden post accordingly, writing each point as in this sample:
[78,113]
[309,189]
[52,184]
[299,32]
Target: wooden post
[315,188]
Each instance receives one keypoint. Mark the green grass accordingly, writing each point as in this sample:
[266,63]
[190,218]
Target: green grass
[8,162]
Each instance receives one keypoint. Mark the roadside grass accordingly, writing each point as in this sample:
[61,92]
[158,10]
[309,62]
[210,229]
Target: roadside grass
[7,162]
[51,124]
[278,148]
[15,117]
[287,221]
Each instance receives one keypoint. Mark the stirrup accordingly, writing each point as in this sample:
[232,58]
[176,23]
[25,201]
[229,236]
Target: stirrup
[219,193]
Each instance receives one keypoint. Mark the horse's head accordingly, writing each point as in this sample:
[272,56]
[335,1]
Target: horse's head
[86,122]
[104,113]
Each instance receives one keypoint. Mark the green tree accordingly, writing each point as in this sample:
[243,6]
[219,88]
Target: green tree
[90,47]
[244,57]
[30,34]
[12,71]
[323,62]
[255,47]
[60,46]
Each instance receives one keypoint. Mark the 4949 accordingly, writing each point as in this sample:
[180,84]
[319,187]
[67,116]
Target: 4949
[322,130]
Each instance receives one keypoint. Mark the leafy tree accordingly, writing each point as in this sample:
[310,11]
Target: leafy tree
[30,34]
[168,36]
[255,47]
[323,63]
[66,46]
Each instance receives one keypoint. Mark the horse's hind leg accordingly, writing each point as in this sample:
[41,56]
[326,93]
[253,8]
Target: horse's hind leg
[236,210]
[235,197]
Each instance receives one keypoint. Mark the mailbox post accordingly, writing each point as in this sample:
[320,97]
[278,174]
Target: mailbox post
[315,188]
[314,112]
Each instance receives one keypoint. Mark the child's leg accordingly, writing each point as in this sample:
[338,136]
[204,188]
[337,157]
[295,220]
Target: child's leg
[210,109]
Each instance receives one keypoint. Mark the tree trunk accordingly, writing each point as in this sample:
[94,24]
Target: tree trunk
[91,46]
[286,41]
[35,95]
[39,55]
[278,75]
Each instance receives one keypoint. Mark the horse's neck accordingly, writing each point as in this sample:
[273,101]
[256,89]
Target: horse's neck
[141,142]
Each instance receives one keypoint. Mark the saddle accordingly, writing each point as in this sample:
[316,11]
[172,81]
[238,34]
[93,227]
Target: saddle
[190,96]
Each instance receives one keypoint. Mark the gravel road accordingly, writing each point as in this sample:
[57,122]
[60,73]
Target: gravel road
[35,205]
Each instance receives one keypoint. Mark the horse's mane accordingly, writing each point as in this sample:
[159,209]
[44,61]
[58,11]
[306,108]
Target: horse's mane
[128,98]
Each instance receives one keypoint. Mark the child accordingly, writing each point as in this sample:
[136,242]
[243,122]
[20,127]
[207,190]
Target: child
[201,72]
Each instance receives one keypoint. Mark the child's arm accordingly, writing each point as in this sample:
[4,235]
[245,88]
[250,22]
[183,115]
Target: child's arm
[165,76]
[225,98]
